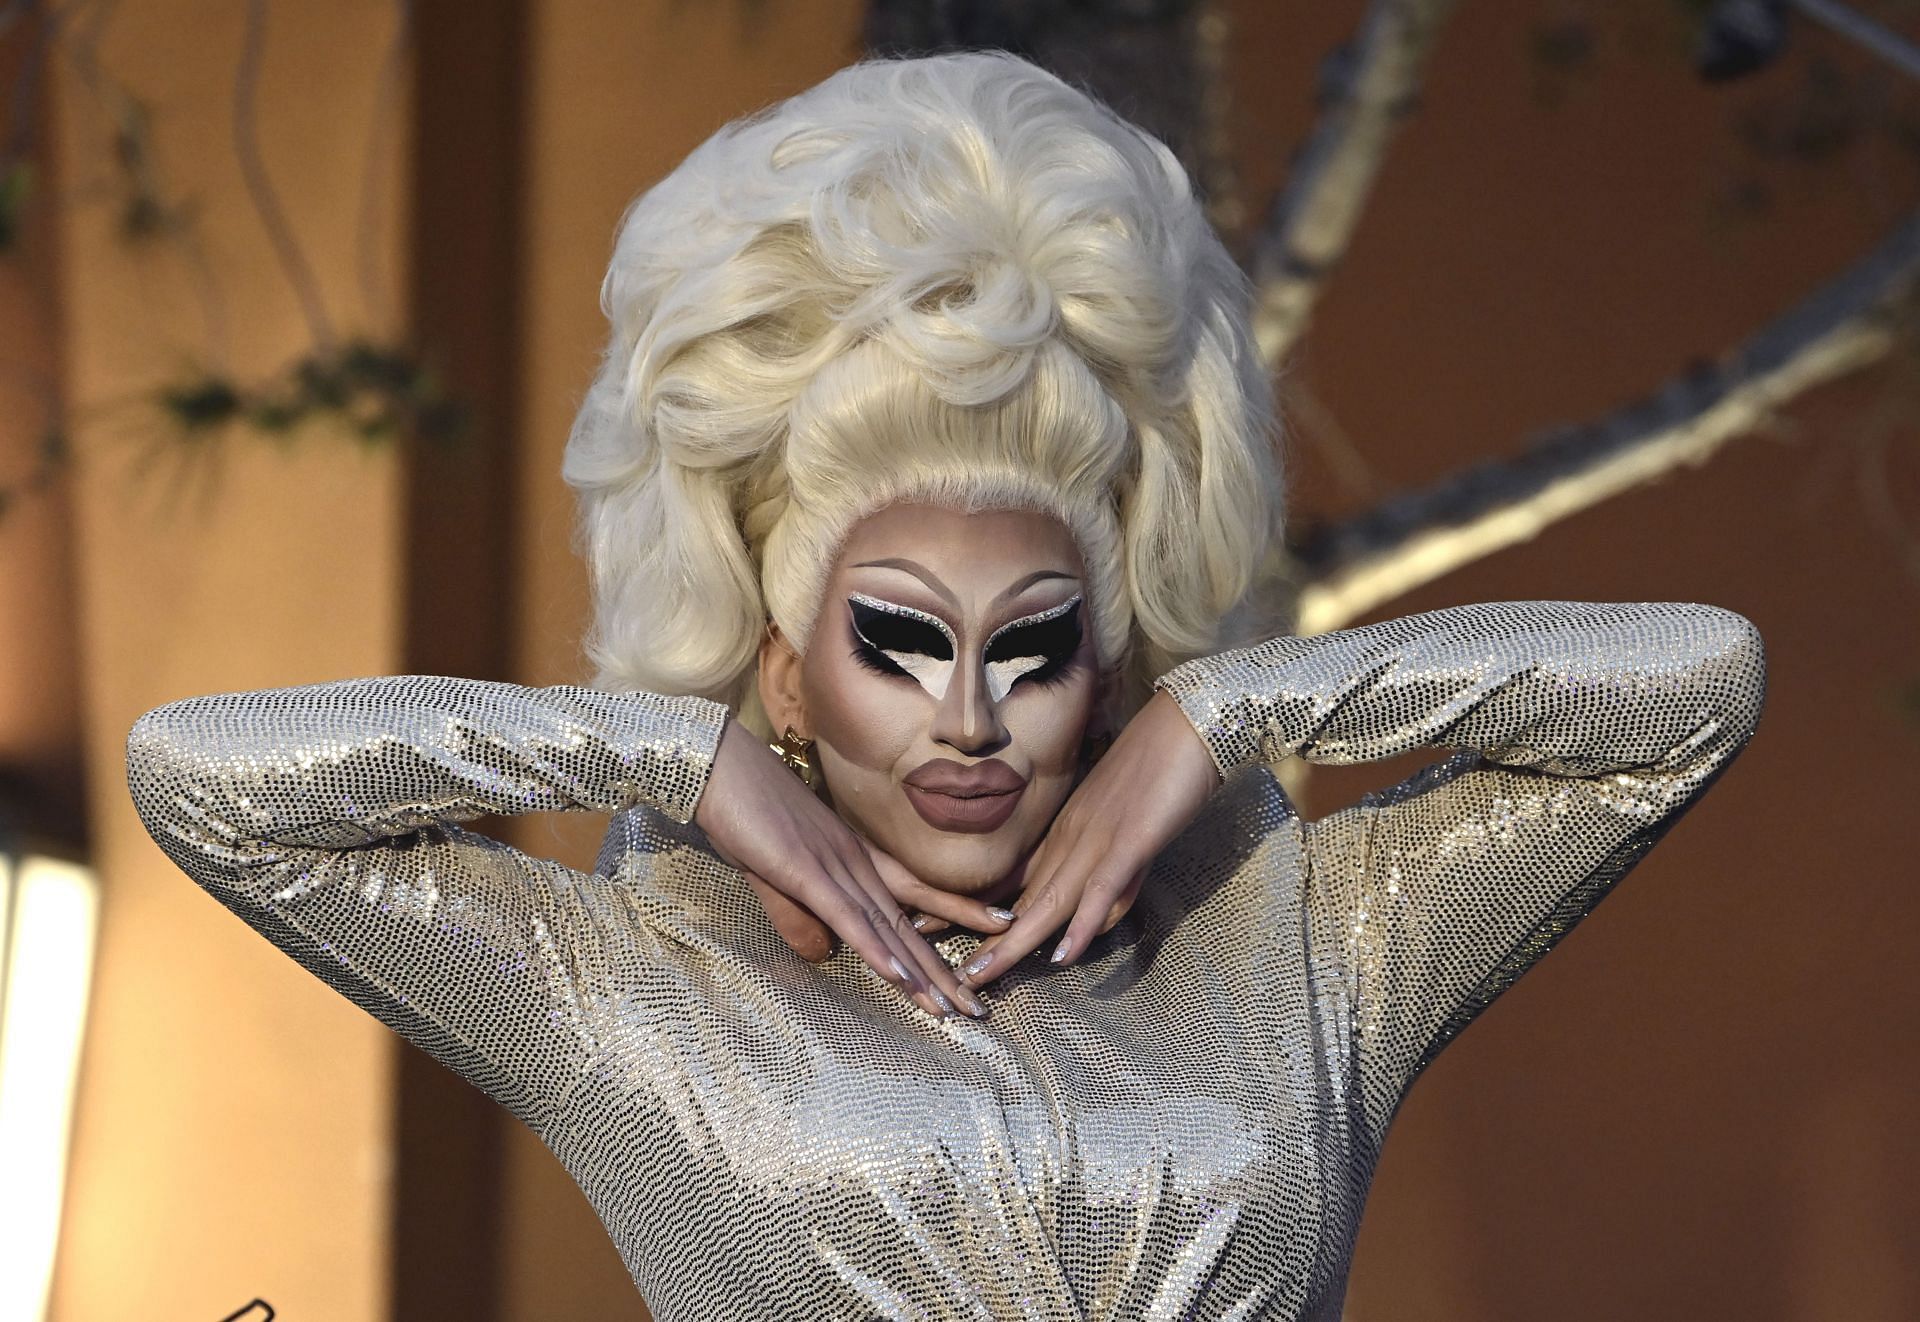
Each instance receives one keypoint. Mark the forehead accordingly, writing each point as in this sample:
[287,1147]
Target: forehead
[987,547]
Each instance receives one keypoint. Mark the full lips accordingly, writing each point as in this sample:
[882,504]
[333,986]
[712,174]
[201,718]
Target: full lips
[979,814]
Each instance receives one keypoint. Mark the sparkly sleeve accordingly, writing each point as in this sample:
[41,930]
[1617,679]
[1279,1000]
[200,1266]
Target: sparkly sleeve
[326,817]
[1587,729]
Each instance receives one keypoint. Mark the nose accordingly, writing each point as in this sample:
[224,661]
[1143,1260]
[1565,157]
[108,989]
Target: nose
[968,719]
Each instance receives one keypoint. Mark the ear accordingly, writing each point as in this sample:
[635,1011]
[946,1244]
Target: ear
[780,684]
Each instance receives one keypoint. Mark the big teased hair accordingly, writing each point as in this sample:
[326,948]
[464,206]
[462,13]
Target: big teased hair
[956,281]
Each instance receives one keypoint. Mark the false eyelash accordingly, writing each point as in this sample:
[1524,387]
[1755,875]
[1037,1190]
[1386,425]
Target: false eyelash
[875,660]
[1056,672]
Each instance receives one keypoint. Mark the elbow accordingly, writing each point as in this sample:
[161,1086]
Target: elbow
[167,782]
[1721,676]
[150,758]
[1732,674]
[173,794]
[1743,658]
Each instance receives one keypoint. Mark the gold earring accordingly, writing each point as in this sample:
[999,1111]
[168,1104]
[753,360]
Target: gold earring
[797,753]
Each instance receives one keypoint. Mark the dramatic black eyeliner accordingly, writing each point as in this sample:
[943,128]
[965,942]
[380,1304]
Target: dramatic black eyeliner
[877,631]
[871,627]
[1058,639]
[898,632]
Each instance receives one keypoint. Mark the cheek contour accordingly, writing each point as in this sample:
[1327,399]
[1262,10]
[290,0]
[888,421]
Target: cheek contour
[874,731]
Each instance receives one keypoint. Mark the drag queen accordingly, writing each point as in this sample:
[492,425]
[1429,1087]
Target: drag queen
[930,454]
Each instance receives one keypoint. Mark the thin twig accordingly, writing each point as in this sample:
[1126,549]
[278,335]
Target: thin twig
[1324,432]
[373,293]
[26,87]
[1213,135]
[253,170]
[133,152]
[1875,491]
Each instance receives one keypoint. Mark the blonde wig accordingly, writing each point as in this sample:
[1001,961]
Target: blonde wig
[953,281]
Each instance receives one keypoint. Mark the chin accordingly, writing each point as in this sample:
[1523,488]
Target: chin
[959,863]
[958,866]
[963,863]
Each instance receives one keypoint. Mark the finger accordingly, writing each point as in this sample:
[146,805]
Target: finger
[1097,902]
[899,880]
[935,994]
[1002,893]
[1125,903]
[810,938]
[939,908]
[1074,940]
[956,992]
[828,889]
[1046,866]
[1035,869]
[796,848]
[1053,903]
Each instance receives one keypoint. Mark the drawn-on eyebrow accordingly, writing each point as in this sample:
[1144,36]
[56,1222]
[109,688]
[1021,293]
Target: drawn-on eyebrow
[934,584]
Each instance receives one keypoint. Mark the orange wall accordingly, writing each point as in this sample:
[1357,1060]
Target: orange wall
[232,1137]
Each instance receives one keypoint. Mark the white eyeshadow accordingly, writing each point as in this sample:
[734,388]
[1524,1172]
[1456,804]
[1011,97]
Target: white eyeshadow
[934,674]
[1001,675]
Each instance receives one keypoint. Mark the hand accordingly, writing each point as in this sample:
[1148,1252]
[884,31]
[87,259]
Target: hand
[932,910]
[762,820]
[1087,869]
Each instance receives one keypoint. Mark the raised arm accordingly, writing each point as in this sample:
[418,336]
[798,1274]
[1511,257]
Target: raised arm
[1588,730]
[326,817]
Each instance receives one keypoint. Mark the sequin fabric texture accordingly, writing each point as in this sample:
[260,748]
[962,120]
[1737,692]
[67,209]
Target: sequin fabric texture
[1182,1125]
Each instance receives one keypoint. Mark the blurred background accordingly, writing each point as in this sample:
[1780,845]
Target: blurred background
[1605,301]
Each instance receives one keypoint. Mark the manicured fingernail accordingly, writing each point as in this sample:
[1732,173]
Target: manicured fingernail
[920,923]
[973,970]
[972,1004]
[946,1006]
[900,971]
[1062,950]
[1004,915]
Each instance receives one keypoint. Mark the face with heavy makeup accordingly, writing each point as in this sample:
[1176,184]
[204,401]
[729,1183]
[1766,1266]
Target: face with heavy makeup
[949,684]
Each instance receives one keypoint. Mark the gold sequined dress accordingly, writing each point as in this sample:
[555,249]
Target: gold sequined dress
[1181,1125]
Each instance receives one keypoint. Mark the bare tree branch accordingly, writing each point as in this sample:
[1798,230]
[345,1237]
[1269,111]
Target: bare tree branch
[1368,87]
[1854,321]
[1881,40]
[376,292]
